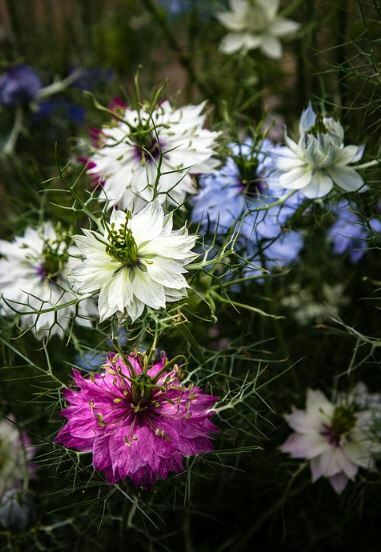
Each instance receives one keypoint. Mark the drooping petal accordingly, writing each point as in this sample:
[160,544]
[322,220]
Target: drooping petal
[346,178]
[271,46]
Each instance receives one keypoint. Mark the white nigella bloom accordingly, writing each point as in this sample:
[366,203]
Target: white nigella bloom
[307,309]
[138,260]
[319,159]
[335,438]
[15,455]
[255,24]
[33,282]
[132,151]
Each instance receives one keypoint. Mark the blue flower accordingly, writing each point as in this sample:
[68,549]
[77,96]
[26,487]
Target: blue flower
[348,234]
[17,509]
[236,193]
[91,360]
[19,85]
[91,77]
[375,225]
[285,250]
[181,7]
[175,7]
[66,108]
[277,253]
[122,338]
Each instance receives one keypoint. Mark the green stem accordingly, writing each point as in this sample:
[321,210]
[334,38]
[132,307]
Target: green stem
[17,128]
[370,164]
[246,307]
[58,86]
[279,201]
[192,343]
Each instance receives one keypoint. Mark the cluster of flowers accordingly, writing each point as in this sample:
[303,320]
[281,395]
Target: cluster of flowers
[137,418]
[144,163]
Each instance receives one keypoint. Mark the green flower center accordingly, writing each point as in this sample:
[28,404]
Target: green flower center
[121,244]
[319,126]
[54,259]
[344,419]
[147,144]
[141,390]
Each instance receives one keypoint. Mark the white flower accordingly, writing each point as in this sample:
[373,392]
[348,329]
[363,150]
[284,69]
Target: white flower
[132,152]
[365,400]
[255,24]
[319,159]
[138,260]
[336,439]
[15,453]
[33,278]
[307,309]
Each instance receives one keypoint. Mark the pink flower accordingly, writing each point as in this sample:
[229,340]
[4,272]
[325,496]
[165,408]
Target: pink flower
[334,438]
[138,421]
[16,453]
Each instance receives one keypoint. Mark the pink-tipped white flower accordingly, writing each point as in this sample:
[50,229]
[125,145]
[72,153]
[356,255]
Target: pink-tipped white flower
[255,24]
[16,453]
[33,282]
[319,159]
[138,261]
[166,141]
[336,439]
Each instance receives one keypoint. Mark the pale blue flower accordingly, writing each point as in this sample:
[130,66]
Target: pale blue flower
[277,253]
[319,159]
[19,85]
[348,234]
[91,360]
[230,197]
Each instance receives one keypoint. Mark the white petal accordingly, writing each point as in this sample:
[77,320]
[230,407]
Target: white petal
[328,465]
[105,308]
[240,41]
[357,454]
[304,446]
[339,482]
[231,21]
[346,155]
[320,185]
[293,146]
[307,120]
[147,224]
[120,290]
[271,46]
[284,163]
[299,421]
[282,27]
[87,277]
[172,247]
[317,403]
[296,178]
[346,178]
[349,468]
[147,291]
[239,6]
[167,273]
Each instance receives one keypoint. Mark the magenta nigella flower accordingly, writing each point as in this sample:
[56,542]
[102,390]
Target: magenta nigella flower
[138,421]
